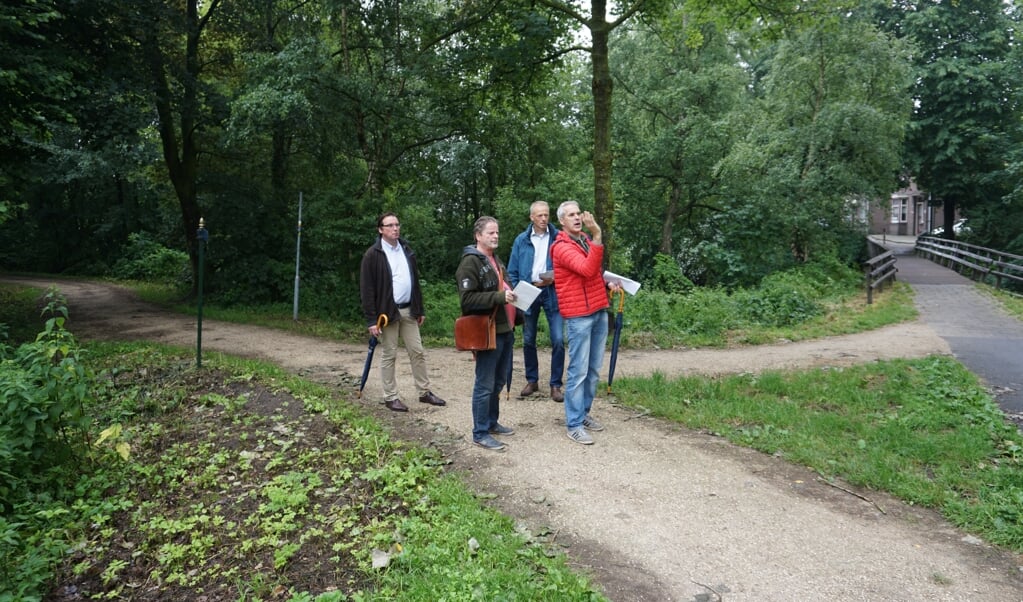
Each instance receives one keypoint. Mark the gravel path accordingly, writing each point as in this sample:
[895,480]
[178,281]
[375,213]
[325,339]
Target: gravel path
[653,511]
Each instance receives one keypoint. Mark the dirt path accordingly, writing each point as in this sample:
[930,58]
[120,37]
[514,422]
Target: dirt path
[654,512]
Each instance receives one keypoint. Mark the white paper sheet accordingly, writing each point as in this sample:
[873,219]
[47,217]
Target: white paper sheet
[525,293]
[630,286]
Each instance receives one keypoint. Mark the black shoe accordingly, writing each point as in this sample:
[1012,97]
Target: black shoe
[432,399]
[395,405]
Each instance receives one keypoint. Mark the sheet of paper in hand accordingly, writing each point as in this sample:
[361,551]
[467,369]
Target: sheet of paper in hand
[525,293]
[630,286]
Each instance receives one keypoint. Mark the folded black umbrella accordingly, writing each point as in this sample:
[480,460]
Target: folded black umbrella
[381,324]
[617,337]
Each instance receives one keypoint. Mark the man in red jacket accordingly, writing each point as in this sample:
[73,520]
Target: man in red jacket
[583,302]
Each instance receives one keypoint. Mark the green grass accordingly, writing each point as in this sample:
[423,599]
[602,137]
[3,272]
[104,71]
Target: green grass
[923,430]
[846,315]
[1011,302]
[651,319]
[242,482]
[19,313]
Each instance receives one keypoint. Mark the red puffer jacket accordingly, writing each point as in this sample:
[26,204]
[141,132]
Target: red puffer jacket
[578,277]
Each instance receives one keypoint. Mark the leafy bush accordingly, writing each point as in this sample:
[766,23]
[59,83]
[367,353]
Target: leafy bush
[777,304]
[43,429]
[668,276]
[703,315]
[793,296]
[145,259]
[442,308]
[42,389]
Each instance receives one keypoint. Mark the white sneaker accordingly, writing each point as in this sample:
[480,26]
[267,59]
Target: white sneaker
[592,424]
[580,435]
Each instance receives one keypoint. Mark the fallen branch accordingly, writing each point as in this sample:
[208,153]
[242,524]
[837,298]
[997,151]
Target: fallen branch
[716,593]
[645,412]
[864,498]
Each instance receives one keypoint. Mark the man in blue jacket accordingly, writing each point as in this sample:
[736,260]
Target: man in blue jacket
[531,261]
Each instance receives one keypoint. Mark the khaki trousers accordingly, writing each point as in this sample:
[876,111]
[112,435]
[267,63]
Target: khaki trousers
[408,329]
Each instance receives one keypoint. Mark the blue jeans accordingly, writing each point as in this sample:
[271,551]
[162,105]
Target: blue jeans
[555,325]
[492,371]
[587,336]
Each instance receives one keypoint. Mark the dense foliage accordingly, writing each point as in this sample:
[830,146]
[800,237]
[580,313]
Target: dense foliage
[967,102]
[746,137]
[45,432]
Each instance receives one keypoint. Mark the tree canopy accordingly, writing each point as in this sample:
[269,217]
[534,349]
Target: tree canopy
[745,135]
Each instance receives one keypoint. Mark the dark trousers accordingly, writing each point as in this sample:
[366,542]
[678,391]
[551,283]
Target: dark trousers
[493,369]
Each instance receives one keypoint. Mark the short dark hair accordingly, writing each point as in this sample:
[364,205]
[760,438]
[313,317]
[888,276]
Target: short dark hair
[383,216]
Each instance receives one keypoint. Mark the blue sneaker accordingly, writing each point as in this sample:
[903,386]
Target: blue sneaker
[488,442]
[500,429]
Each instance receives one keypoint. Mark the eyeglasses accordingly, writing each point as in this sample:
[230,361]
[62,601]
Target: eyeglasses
[390,225]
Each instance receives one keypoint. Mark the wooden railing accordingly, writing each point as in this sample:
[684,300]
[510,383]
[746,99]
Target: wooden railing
[980,263]
[876,271]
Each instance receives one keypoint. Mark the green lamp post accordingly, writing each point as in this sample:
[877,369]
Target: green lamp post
[202,236]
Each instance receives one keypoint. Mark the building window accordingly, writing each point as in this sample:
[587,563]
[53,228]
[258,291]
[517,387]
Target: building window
[899,205]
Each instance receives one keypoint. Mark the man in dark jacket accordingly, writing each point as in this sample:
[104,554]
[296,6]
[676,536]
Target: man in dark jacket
[531,261]
[483,289]
[389,285]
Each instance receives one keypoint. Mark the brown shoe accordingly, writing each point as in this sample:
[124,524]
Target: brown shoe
[557,395]
[395,405]
[528,390]
[432,399]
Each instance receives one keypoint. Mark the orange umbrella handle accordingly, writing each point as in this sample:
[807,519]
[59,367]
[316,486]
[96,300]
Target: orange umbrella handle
[621,298]
[382,321]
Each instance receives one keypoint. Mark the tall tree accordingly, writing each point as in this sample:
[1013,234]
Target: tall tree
[36,78]
[599,24]
[967,97]
[676,96]
[170,38]
[827,129]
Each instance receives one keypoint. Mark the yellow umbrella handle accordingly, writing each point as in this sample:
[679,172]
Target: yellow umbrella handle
[382,321]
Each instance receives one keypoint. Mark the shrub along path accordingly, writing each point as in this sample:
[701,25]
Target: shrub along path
[654,512]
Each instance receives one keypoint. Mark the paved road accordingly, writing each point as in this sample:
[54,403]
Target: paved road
[982,336]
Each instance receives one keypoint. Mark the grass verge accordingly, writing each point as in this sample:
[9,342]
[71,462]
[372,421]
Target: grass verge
[706,318]
[241,482]
[923,430]
[1011,302]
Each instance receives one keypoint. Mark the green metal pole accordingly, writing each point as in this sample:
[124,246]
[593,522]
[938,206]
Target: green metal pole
[201,236]
[298,255]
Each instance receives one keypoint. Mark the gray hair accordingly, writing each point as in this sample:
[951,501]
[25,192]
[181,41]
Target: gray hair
[562,208]
[481,223]
[536,204]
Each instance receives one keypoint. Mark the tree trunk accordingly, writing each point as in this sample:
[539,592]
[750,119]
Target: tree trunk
[948,210]
[180,149]
[602,86]
[667,228]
